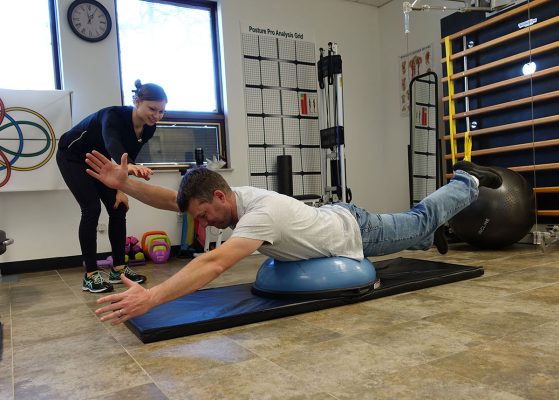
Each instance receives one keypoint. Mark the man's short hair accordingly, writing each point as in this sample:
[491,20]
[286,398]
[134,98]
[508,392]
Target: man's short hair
[200,183]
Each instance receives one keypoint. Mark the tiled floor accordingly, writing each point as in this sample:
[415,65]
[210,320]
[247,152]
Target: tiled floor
[494,337]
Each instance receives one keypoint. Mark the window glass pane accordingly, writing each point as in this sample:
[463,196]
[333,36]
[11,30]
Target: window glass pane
[175,144]
[170,45]
[27,61]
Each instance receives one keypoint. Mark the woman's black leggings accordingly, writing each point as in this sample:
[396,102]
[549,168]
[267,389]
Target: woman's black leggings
[88,191]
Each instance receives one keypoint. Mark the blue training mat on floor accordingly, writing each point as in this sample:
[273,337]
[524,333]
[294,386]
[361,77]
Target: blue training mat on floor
[225,307]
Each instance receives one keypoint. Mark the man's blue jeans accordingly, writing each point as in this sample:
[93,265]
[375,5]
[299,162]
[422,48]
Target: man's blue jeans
[414,229]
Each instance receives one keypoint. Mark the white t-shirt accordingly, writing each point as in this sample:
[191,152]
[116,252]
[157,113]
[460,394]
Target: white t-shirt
[292,230]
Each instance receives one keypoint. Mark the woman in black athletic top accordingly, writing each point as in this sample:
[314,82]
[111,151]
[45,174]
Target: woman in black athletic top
[111,131]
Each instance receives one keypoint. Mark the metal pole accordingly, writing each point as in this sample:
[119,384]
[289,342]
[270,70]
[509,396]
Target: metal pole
[339,113]
[323,124]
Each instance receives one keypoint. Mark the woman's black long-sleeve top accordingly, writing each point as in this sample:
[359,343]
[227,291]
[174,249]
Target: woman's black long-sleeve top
[109,131]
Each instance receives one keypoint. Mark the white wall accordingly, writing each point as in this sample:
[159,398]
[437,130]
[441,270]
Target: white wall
[44,224]
[355,28]
[424,30]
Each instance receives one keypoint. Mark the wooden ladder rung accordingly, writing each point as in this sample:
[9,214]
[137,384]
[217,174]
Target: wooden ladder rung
[502,84]
[504,106]
[502,61]
[498,18]
[549,189]
[525,168]
[505,149]
[505,38]
[538,167]
[508,127]
[548,213]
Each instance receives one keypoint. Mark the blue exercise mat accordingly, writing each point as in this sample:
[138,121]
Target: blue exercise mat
[225,307]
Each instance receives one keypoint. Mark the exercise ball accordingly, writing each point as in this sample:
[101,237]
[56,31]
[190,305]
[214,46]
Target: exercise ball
[499,217]
[315,278]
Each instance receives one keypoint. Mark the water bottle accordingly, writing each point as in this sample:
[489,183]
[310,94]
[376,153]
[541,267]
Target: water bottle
[199,156]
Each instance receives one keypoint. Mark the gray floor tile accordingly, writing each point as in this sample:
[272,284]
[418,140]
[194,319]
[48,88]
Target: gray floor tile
[524,371]
[493,337]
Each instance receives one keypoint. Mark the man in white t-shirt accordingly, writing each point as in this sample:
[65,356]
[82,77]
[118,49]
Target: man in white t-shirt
[292,230]
[277,225]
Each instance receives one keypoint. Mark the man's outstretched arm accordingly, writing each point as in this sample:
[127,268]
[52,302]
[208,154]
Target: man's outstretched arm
[193,276]
[116,176]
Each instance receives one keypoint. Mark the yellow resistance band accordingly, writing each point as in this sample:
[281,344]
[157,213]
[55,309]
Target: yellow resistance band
[467,146]
[451,112]
[451,109]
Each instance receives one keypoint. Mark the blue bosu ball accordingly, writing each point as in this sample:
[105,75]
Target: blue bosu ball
[315,278]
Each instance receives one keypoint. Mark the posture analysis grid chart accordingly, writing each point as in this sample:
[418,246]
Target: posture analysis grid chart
[282,110]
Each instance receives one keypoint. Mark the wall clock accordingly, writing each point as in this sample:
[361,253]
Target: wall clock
[89,20]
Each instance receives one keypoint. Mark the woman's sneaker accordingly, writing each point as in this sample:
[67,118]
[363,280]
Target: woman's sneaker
[95,283]
[114,276]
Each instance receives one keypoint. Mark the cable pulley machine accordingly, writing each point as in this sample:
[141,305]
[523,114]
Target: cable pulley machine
[331,122]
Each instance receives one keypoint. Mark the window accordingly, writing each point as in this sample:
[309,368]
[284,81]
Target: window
[29,45]
[175,143]
[172,44]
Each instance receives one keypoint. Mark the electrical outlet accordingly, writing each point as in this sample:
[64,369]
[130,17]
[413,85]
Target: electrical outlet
[102,227]
[180,217]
